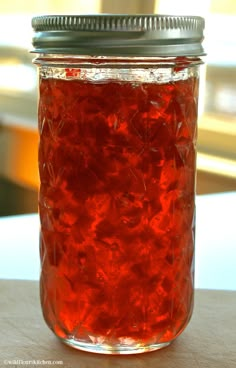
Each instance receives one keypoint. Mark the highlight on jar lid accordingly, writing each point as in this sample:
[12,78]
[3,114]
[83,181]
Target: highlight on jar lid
[119,35]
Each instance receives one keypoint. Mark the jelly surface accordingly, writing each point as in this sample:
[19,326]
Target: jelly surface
[116,202]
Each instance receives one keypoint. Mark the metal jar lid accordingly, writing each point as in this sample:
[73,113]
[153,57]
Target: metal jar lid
[119,35]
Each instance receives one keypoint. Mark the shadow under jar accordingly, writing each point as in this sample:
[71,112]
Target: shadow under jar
[117,162]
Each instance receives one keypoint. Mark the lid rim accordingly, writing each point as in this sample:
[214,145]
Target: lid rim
[116,34]
[116,22]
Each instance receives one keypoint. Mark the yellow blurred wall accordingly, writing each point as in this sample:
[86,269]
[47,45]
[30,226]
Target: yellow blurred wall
[50,6]
[92,6]
[223,6]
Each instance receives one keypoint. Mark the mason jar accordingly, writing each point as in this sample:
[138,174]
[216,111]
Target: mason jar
[117,118]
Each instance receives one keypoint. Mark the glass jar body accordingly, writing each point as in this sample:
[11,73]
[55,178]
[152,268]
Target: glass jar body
[117,164]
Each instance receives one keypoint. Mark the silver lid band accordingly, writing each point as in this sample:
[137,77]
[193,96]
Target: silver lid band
[119,35]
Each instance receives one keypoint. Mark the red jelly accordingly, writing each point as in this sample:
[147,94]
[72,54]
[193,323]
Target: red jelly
[117,168]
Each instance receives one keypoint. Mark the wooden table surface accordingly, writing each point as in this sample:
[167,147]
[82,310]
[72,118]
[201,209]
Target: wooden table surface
[208,342]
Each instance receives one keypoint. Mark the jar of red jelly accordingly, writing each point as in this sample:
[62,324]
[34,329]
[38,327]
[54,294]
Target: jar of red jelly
[117,161]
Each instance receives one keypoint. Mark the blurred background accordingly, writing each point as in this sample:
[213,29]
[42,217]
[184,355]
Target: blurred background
[18,92]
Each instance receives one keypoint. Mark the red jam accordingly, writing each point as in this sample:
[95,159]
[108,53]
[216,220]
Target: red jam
[117,169]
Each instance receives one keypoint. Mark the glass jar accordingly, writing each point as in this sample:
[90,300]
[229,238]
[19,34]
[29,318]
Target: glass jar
[117,162]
